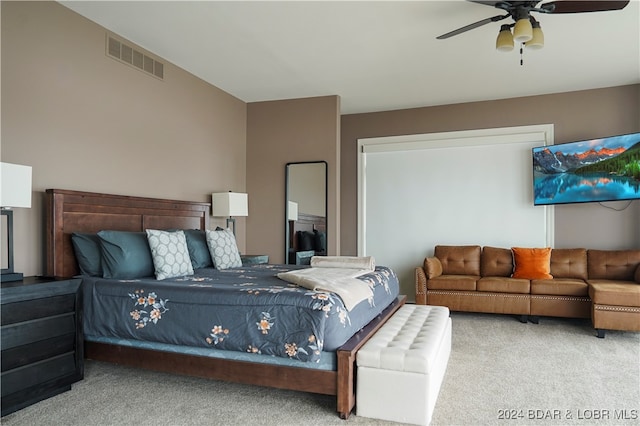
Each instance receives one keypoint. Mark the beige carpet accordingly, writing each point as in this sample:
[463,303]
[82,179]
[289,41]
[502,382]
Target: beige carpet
[500,372]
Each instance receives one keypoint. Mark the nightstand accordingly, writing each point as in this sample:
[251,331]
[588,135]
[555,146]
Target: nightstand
[42,341]
[304,257]
[254,259]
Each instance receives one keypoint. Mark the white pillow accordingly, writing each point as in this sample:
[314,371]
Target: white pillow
[169,253]
[223,248]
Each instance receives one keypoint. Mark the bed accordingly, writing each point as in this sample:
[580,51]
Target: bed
[69,212]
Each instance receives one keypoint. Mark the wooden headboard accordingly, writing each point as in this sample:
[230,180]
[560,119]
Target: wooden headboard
[310,222]
[74,211]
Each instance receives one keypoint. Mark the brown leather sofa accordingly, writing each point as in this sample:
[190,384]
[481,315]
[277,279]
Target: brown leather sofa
[603,285]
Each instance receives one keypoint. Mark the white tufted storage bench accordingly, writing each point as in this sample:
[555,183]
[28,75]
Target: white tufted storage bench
[400,369]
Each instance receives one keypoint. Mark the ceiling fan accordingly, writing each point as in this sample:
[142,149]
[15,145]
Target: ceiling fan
[526,29]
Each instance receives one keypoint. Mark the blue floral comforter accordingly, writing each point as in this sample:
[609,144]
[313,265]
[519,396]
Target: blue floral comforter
[245,309]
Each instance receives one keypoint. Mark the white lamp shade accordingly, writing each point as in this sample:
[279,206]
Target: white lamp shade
[537,42]
[504,42]
[230,204]
[522,31]
[16,185]
[292,210]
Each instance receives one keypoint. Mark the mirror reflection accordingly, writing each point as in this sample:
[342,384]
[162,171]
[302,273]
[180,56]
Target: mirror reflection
[305,211]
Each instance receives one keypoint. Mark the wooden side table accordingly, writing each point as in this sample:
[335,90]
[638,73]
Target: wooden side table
[42,340]
[254,259]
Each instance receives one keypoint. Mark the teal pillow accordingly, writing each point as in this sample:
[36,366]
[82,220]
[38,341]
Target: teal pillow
[88,253]
[198,249]
[305,240]
[125,255]
[319,241]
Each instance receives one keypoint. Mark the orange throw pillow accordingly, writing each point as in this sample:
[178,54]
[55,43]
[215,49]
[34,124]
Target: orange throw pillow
[532,263]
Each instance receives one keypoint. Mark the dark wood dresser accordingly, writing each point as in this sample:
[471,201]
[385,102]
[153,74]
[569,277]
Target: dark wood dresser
[42,343]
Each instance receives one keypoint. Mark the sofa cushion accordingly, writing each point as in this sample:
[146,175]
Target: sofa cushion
[453,282]
[614,293]
[613,264]
[503,285]
[432,267]
[532,263]
[569,263]
[496,262]
[560,287]
[459,260]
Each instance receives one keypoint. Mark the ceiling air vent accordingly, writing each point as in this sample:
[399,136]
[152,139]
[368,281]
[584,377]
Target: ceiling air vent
[135,57]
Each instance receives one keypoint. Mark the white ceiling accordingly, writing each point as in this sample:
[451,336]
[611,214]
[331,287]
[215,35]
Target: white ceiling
[376,55]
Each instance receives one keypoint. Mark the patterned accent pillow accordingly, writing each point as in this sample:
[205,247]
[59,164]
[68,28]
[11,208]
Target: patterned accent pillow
[170,254]
[223,249]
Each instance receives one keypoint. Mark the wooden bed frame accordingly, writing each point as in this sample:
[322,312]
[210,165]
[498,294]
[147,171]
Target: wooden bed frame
[74,211]
[309,222]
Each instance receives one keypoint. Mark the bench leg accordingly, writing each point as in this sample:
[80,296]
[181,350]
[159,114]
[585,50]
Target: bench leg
[600,333]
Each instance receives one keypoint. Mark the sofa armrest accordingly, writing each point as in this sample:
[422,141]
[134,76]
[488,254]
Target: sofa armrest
[431,268]
[421,287]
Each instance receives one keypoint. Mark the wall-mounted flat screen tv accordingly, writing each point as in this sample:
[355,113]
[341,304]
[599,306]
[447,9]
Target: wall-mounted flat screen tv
[604,169]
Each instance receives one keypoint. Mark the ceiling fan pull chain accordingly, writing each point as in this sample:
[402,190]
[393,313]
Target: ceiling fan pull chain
[521,60]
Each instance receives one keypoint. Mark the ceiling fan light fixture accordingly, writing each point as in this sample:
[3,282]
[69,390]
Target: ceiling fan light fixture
[504,42]
[523,30]
[537,41]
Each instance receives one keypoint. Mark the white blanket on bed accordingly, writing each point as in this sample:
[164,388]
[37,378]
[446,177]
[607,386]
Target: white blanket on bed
[341,281]
[350,262]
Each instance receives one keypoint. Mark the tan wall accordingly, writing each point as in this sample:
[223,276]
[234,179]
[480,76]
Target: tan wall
[280,132]
[84,121]
[575,115]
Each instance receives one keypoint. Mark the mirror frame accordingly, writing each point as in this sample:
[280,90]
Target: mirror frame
[286,202]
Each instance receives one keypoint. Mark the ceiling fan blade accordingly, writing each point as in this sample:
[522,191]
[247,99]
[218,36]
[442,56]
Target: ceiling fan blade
[472,26]
[571,6]
[486,3]
[507,5]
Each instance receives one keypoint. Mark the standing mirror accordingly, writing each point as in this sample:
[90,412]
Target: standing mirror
[305,211]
